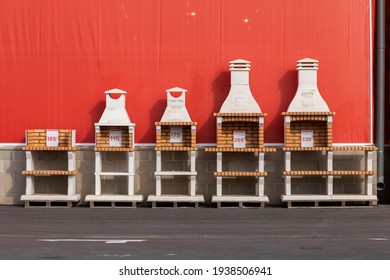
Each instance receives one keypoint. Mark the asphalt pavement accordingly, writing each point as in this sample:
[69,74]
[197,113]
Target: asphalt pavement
[271,233]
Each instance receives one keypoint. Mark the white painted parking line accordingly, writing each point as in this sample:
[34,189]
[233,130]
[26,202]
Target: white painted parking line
[107,241]
[379,239]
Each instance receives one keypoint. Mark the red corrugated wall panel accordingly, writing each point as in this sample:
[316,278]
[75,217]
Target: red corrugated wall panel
[58,57]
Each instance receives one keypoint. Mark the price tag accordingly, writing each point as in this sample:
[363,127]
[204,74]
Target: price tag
[52,137]
[307,139]
[115,138]
[176,134]
[239,139]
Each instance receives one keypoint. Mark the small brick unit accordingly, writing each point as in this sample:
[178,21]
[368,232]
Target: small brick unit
[176,132]
[249,122]
[315,121]
[36,144]
[36,140]
[114,134]
[163,136]
[308,129]
[103,139]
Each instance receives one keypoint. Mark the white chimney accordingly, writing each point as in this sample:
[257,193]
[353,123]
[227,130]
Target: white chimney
[307,98]
[240,98]
[176,110]
[115,112]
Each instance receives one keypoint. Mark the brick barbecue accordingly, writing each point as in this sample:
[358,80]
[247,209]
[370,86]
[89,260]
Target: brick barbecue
[240,128]
[308,112]
[114,133]
[176,132]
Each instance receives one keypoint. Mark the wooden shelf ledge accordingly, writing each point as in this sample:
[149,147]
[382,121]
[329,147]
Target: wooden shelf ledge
[175,123]
[114,149]
[327,173]
[176,149]
[308,113]
[240,174]
[241,150]
[36,148]
[240,114]
[338,148]
[49,172]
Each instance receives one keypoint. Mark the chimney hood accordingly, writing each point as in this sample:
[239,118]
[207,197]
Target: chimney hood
[115,112]
[240,98]
[307,97]
[176,110]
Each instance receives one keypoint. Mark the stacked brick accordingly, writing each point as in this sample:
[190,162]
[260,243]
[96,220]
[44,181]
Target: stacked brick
[36,140]
[240,174]
[315,121]
[163,136]
[103,139]
[248,122]
[327,173]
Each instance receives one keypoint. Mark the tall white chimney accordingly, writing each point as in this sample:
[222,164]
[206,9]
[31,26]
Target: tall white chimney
[307,98]
[176,110]
[240,98]
[115,112]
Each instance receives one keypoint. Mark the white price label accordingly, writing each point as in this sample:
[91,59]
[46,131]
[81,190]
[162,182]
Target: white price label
[239,139]
[176,134]
[52,137]
[307,140]
[115,138]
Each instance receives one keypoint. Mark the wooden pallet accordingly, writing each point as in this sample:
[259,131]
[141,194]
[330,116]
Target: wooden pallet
[113,204]
[240,205]
[330,204]
[174,204]
[48,204]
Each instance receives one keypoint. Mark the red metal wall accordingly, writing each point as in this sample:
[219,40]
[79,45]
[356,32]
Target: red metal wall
[58,57]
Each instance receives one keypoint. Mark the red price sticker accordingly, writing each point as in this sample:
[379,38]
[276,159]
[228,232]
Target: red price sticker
[239,139]
[307,140]
[52,137]
[115,138]
[176,134]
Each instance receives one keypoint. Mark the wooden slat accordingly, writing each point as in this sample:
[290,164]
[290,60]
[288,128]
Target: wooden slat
[160,148]
[266,150]
[240,114]
[34,148]
[114,149]
[49,172]
[326,173]
[308,113]
[176,123]
[240,174]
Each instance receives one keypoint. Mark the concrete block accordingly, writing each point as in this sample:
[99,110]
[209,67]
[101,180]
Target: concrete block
[310,189]
[207,156]
[6,155]
[172,165]
[121,166]
[181,156]
[274,199]
[145,166]
[205,177]
[211,166]
[241,165]
[143,155]
[275,189]
[19,155]
[10,199]
[86,166]
[115,156]
[86,155]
